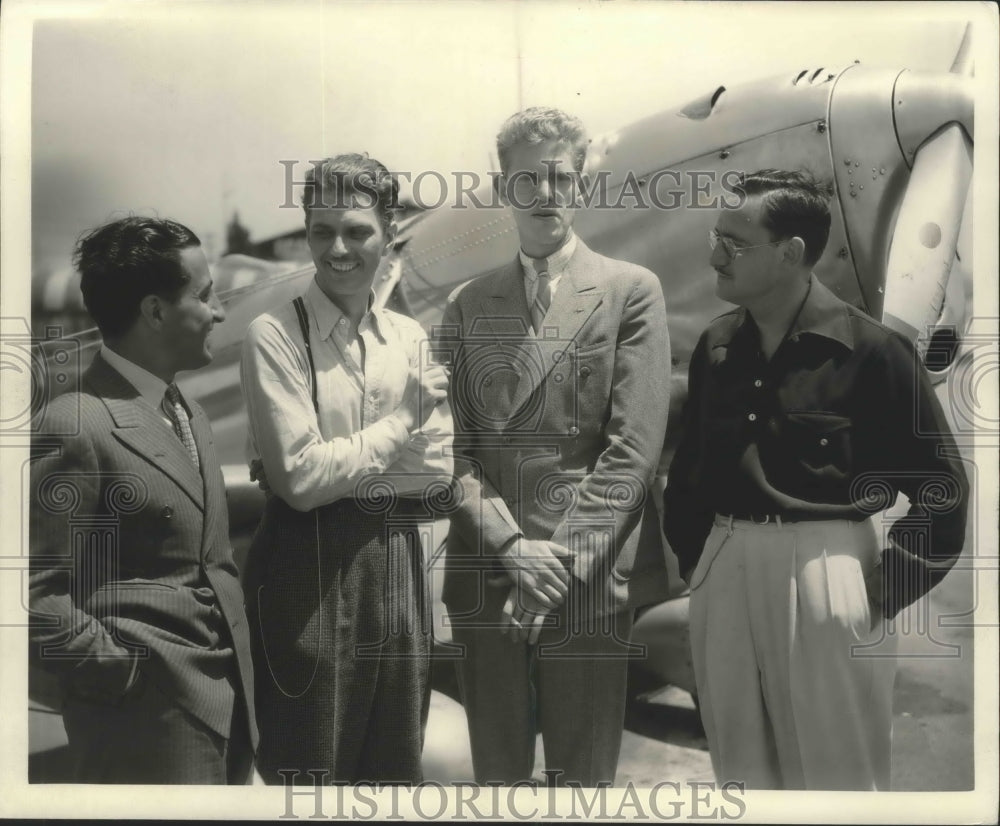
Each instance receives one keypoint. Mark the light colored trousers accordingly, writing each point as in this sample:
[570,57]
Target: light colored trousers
[794,693]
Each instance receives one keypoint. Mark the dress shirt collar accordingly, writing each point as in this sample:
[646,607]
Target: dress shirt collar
[328,314]
[822,314]
[150,387]
[556,263]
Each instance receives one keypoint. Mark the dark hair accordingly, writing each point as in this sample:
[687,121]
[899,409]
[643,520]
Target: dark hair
[539,124]
[792,204]
[122,262]
[332,181]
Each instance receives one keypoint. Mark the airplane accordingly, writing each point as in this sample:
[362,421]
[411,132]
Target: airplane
[896,144]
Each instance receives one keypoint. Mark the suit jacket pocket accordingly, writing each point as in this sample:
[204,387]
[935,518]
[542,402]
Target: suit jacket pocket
[587,389]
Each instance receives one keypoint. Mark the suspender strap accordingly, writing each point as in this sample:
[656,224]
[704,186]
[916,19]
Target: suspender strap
[300,311]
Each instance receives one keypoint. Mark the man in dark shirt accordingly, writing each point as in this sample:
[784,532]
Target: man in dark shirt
[799,427]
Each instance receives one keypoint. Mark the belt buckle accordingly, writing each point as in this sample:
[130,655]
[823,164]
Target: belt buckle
[767,518]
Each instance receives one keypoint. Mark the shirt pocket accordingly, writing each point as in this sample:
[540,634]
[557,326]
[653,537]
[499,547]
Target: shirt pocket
[821,441]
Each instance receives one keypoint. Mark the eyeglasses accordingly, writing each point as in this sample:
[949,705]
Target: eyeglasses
[729,247]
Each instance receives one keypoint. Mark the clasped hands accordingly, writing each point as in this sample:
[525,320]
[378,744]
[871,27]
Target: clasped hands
[540,584]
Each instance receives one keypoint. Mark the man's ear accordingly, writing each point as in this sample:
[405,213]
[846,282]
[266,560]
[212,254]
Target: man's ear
[581,184]
[151,311]
[500,187]
[795,252]
[390,236]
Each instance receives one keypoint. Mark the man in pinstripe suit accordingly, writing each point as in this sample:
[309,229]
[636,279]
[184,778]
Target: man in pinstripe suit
[135,599]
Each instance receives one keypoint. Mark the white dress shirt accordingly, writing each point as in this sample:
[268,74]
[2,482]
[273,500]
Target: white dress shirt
[361,376]
[555,266]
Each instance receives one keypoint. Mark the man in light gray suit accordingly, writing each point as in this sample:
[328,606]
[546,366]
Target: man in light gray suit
[560,384]
[136,604]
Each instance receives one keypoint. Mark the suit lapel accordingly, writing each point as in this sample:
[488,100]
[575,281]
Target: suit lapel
[576,299]
[505,309]
[495,336]
[143,431]
[215,502]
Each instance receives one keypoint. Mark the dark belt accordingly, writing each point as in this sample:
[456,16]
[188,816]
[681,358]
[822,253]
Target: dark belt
[758,518]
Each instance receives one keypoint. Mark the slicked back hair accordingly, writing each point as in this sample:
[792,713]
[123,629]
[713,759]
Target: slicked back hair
[122,262]
[792,204]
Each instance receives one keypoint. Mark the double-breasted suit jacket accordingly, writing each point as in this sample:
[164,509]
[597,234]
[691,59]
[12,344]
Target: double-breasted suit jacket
[131,567]
[558,435]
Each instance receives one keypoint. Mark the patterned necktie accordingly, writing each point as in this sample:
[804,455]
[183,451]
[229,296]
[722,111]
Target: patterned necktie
[178,416]
[543,294]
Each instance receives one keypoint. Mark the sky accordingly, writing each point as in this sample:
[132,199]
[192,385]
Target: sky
[186,110]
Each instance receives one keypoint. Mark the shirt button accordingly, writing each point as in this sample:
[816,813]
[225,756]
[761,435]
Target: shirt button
[752,417]
[574,431]
[824,441]
[584,372]
[758,383]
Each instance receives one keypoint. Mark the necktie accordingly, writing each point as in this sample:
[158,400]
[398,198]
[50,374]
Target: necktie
[178,416]
[543,295]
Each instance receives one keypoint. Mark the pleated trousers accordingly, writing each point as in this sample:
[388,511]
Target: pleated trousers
[793,672]
[341,633]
